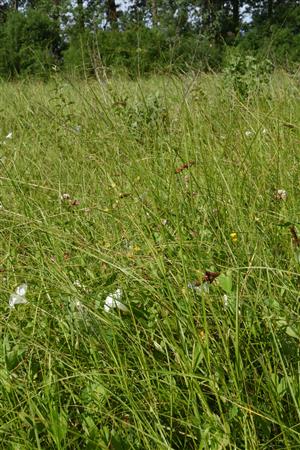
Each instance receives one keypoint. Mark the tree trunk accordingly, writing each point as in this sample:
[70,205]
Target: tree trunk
[270,9]
[112,14]
[154,12]
[206,14]
[80,15]
[236,15]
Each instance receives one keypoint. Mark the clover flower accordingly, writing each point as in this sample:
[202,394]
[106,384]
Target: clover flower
[280,194]
[112,301]
[65,196]
[18,297]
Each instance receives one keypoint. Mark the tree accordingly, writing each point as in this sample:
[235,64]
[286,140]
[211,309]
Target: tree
[28,44]
[80,16]
[112,14]
[235,15]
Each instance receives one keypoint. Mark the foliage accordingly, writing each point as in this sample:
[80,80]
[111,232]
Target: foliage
[140,52]
[88,38]
[277,38]
[246,74]
[29,44]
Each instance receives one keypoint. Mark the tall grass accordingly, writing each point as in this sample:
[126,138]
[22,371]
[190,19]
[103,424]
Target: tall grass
[144,187]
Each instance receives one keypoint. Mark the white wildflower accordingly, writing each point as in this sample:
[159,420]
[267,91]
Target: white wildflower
[248,133]
[65,196]
[280,194]
[9,135]
[18,297]
[186,179]
[80,285]
[204,287]
[79,306]
[113,302]
[225,300]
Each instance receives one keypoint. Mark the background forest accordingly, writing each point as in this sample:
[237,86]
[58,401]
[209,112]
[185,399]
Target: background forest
[137,37]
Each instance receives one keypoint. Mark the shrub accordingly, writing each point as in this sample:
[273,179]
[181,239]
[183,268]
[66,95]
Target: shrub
[140,51]
[29,44]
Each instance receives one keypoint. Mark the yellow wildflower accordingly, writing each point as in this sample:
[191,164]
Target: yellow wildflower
[234,237]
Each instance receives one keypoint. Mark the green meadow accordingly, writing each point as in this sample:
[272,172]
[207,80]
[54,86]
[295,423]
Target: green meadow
[155,226]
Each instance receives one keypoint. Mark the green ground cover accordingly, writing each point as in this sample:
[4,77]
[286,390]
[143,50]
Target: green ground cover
[145,188]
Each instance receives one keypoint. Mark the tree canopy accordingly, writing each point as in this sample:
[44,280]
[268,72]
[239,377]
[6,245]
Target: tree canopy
[141,36]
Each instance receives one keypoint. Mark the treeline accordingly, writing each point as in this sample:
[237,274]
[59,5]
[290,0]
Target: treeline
[102,37]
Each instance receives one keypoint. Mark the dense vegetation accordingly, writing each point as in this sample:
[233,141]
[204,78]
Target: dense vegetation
[139,37]
[149,224]
[180,197]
